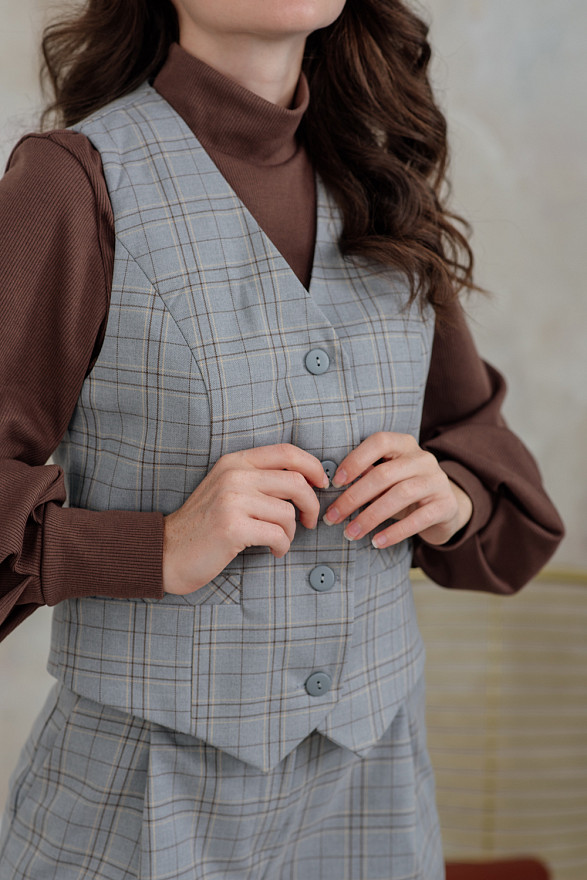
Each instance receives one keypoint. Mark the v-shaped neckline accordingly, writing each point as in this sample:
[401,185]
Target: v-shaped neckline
[207,168]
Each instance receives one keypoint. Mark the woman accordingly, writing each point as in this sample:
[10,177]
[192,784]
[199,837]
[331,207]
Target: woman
[239,248]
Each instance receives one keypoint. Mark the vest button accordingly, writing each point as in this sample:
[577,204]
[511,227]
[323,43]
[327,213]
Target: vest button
[318,684]
[329,467]
[322,578]
[317,361]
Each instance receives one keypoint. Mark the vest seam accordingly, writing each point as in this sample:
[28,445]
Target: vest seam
[115,106]
[168,311]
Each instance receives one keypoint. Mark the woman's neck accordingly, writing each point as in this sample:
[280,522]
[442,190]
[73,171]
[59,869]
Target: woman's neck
[269,68]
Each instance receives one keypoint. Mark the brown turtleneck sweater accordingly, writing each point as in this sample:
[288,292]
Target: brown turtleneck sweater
[56,258]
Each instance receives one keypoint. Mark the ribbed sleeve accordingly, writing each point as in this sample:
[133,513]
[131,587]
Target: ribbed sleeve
[56,256]
[514,529]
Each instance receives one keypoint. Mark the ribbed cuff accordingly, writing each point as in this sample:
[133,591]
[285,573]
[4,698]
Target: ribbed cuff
[112,553]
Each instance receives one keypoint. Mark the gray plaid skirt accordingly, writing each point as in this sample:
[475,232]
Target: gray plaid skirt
[104,795]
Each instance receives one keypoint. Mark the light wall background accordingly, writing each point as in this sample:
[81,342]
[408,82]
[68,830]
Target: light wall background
[510,77]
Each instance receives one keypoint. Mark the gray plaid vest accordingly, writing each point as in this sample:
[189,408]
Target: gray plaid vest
[205,354]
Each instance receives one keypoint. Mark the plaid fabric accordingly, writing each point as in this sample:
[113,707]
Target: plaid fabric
[104,795]
[204,354]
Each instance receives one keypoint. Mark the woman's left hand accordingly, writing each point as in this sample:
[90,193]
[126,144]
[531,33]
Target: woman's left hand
[407,484]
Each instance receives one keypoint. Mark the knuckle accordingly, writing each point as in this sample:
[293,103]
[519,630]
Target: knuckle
[429,459]
[231,459]
[421,487]
[387,474]
[387,470]
[281,539]
[350,501]
[298,479]
[368,521]
[220,465]
[405,492]
[415,452]
[407,442]
[290,511]
[402,530]
[229,477]
[287,450]
[428,516]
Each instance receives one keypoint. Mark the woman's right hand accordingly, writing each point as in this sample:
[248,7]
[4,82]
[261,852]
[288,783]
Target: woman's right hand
[245,500]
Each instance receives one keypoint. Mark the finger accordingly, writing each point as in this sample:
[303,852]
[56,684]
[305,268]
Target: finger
[382,444]
[268,534]
[408,492]
[289,457]
[274,510]
[370,486]
[294,487]
[401,514]
[418,521]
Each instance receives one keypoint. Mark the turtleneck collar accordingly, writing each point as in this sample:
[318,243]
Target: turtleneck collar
[227,117]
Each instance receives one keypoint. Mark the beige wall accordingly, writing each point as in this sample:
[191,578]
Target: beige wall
[511,76]
[19,92]
[508,75]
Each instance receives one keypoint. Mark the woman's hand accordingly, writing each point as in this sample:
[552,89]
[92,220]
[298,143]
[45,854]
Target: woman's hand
[244,500]
[408,485]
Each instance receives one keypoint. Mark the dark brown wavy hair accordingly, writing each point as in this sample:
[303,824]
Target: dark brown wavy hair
[373,129]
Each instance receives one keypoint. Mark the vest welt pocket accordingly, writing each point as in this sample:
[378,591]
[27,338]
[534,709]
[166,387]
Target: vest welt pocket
[383,560]
[224,589]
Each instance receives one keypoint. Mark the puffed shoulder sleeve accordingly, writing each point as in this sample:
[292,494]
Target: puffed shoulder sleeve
[56,257]
[515,528]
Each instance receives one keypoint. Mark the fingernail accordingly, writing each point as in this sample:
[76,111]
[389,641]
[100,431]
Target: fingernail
[331,516]
[339,479]
[353,530]
[326,481]
[378,541]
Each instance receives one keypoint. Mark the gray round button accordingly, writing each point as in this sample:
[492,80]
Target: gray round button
[322,578]
[318,684]
[317,361]
[329,468]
